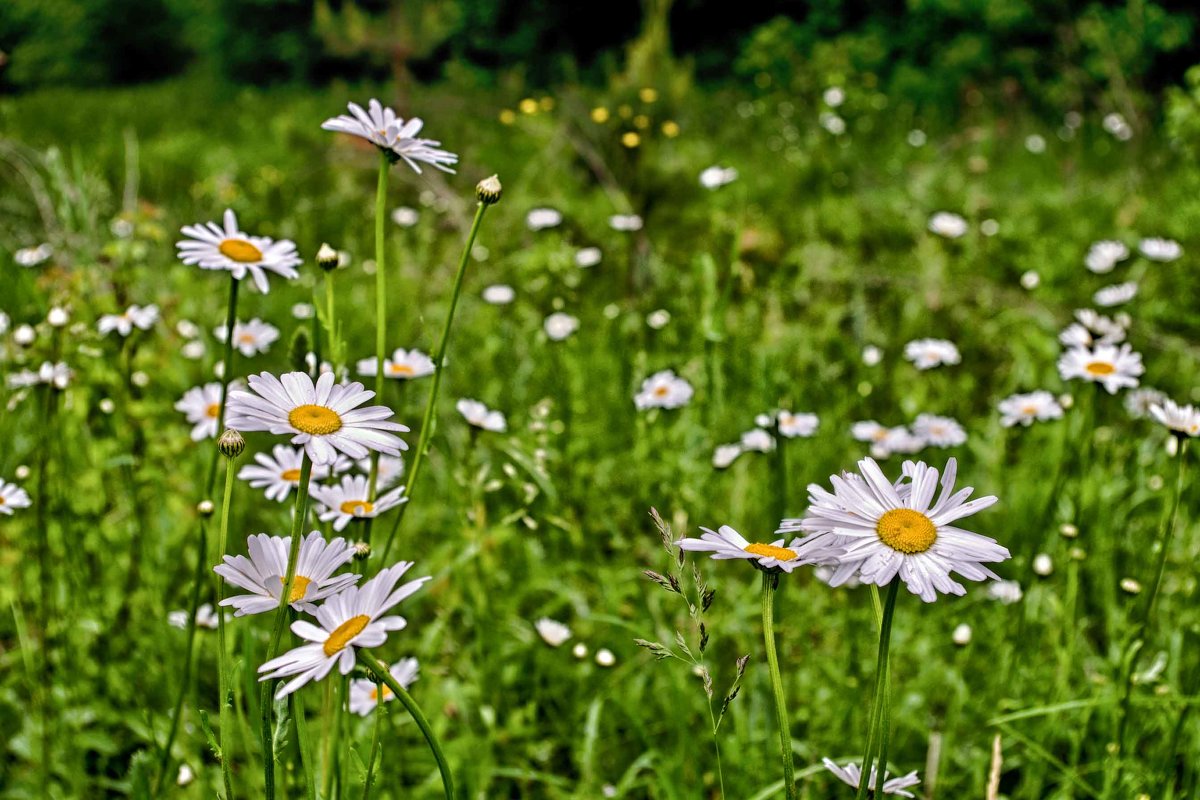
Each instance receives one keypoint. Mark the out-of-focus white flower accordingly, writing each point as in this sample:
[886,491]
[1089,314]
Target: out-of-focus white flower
[1115,295]
[832,123]
[1112,367]
[587,257]
[32,256]
[1005,592]
[793,425]
[834,96]
[58,317]
[1042,564]
[625,223]
[541,218]
[479,415]
[1139,402]
[948,225]
[1102,256]
[663,389]
[1030,279]
[758,440]
[142,318]
[1184,420]
[930,353]
[715,177]
[605,657]
[1157,249]
[725,455]
[499,294]
[871,355]
[961,635]
[916,138]
[1024,409]
[939,431]
[405,217]
[1035,143]
[553,633]
[560,325]
[659,319]
[250,338]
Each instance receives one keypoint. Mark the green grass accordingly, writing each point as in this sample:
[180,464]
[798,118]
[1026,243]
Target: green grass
[774,285]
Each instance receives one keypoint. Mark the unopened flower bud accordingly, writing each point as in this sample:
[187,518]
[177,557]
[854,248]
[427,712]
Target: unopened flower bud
[489,190]
[231,444]
[362,551]
[327,258]
[205,508]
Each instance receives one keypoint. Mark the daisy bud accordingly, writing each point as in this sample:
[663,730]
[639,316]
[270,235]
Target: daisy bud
[489,190]
[362,551]
[327,258]
[205,508]
[231,444]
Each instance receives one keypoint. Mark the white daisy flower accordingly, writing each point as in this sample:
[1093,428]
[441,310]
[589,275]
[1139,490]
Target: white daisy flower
[140,317]
[365,695]
[323,417]
[939,431]
[479,415]
[1107,365]
[250,338]
[24,335]
[539,219]
[279,472]
[500,294]
[1139,402]
[381,127]
[757,440]
[560,325]
[209,246]
[32,256]
[626,223]
[553,632]
[793,425]
[348,500]
[405,217]
[58,317]
[1116,294]
[588,257]
[726,543]
[403,365]
[389,471]
[929,353]
[1104,255]
[22,379]
[1025,408]
[1179,419]
[891,530]
[869,430]
[948,225]
[715,177]
[354,618]
[1157,249]
[263,572]
[12,497]
[725,455]
[851,774]
[202,406]
[663,389]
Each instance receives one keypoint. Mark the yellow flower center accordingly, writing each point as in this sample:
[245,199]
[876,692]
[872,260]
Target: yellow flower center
[343,633]
[906,531]
[315,420]
[290,475]
[352,507]
[400,369]
[387,692]
[1029,411]
[246,338]
[240,250]
[299,587]
[661,391]
[2,500]
[1100,368]
[770,551]
[213,410]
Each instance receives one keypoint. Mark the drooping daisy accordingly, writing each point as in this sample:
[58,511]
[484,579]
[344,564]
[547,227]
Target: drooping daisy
[348,500]
[725,455]
[353,618]
[851,774]
[559,326]
[889,530]
[397,138]
[250,338]
[1139,401]
[948,225]
[365,694]
[541,218]
[757,440]
[1157,249]
[726,543]
[1183,420]
[1025,408]
[324,417]
[12,497]
[202,406]
[939,431]
[793,425]
[279,472]
[1113,368]
[140,317]
[1115,295]
[264,572]
[663,389]
[209,246]
[389,470]
[553,632]
[930,353]
[625,223]
[479,415]
[403,365]
[1103,256]
[715,177]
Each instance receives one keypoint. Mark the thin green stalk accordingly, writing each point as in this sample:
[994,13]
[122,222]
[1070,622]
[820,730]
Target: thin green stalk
[717,748]
[343,784]
[380,301]
[225,697]
[881,715]
[415,711]
[304,742]
[380,712]
[770,582]
[438,357]
[266,693]
[333,754]
[331,335]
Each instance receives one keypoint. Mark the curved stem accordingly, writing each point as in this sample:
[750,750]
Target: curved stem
[770,583]
[415,711]
[880,715]
[438,357]
[380,303]
[265,694]
[225,697]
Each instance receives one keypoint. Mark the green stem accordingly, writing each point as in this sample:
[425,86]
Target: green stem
[415,711]
[770,582]
[880,715]
[305,744]
[331,337]
[717,748]
[438,357]
[266,693]
[334,754]
[380,300]
[380,712]
[1165,540]
[225,698]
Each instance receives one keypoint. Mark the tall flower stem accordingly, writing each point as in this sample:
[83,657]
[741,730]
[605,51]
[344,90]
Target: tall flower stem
[438,358]
[880,715]
[380,713]
[265,695]
[770,582]
[225,693]
[185,678]
[380,309]
[382,673]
